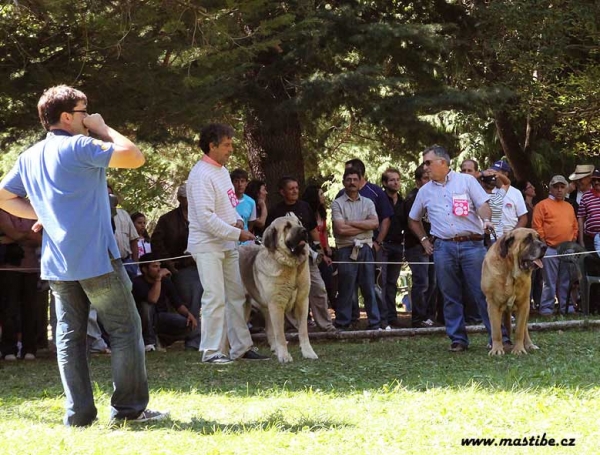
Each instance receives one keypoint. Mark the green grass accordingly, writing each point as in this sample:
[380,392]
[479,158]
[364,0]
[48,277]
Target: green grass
[382,397]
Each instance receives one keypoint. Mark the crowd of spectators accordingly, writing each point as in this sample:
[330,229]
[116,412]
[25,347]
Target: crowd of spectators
[376,230]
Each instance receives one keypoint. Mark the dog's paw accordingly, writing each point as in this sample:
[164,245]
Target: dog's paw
[519,350]
[285,357]
[496,350]
[310,354]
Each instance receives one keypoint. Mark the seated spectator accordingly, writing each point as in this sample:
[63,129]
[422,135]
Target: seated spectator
[257,190]
[143,242]
[18,245]
[169,240]
[154,295]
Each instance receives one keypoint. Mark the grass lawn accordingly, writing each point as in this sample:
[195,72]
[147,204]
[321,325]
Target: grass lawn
[391,396]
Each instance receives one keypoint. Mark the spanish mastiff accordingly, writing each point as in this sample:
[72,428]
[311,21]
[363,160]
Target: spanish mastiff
[506,283]
[277,280]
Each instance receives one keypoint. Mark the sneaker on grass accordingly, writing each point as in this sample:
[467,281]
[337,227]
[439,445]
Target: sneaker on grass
[218,359]
[150,416]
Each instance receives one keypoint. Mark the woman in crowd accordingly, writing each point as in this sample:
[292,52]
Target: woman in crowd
[139,221]
[257,190]
[313,195]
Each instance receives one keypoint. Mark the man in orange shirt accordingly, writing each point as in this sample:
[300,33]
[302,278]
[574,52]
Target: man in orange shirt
[555,222]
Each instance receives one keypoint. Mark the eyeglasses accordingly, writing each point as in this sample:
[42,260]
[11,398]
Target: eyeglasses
[428,162]
[83,111]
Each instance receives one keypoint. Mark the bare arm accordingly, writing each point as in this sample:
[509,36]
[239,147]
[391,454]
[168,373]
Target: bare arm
[125,154]
[419,231]
[522,221]
[16,205]
[340,227]
[580,221]
[371,223]
[262,219]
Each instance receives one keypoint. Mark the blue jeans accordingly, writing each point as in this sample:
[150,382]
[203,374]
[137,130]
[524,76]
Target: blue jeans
[422,287]
[188,285]
[392,252]
[170,327]
[348,276]
[111,296]
[458,263]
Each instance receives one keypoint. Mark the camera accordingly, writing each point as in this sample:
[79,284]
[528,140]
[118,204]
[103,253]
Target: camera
[488,178]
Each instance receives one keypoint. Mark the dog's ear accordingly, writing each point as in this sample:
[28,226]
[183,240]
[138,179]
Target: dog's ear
[505,243]
[270,238]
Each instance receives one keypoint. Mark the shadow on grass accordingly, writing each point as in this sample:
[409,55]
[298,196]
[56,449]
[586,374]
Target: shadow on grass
[566,360]
[277,421]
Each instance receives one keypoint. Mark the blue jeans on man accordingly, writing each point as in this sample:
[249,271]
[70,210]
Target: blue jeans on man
[423,285]
[188,285]
[348,276]
[168,326]
[458,263]
[111,296]
[391,252]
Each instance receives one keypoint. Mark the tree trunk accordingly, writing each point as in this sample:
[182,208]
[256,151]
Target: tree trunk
[274,145]
[518,157]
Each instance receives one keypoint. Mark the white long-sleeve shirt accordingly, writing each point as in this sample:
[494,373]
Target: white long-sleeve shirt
[211,208]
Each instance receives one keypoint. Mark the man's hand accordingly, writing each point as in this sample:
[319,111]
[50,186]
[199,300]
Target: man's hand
[163,273]
[95,123]
[427,246]
[191,321]
[246,235]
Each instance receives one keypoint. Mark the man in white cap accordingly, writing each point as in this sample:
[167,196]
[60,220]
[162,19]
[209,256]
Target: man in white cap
[582,178]
[514,210]
[555,222]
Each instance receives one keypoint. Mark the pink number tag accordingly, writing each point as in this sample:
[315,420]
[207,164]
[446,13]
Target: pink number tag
[460,205]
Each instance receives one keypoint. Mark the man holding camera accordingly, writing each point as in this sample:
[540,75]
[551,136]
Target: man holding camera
[514,210]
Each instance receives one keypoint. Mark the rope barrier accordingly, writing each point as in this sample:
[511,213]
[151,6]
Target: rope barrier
[33,269]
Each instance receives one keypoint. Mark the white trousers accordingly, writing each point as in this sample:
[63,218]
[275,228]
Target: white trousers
[223,324]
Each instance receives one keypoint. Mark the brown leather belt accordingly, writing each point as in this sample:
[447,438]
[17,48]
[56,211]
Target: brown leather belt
[465,238]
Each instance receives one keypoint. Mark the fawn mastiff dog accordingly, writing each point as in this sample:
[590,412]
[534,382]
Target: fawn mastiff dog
[277,280]
[506,283]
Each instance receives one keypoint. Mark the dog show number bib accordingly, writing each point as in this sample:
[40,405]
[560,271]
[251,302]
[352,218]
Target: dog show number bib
[460,205]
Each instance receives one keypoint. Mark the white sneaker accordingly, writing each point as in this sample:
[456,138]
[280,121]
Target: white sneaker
[150,348]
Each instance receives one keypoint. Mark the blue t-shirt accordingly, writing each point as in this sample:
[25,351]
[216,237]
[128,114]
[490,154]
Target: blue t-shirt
[64,177]
[246,208]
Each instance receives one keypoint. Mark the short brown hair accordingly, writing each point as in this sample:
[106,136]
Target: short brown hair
[56,100]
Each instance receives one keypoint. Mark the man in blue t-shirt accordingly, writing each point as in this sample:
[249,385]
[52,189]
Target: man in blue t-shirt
[61,182]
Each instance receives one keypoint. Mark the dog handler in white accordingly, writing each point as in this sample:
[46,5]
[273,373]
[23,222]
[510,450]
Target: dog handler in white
[215,229]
